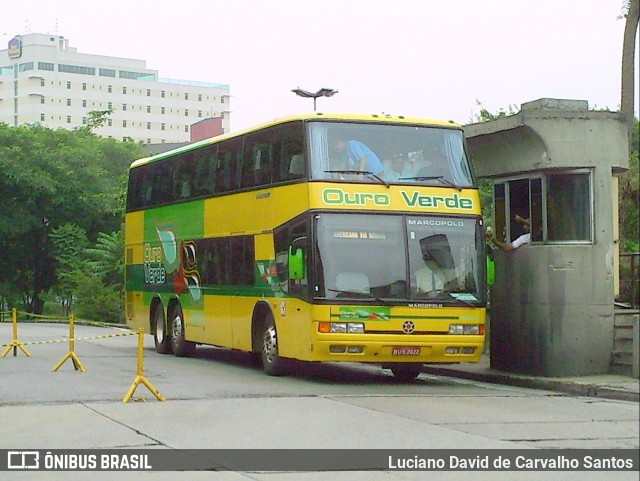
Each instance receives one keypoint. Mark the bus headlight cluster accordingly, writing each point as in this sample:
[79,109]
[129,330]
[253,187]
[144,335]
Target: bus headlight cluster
[341,327]
[473,329]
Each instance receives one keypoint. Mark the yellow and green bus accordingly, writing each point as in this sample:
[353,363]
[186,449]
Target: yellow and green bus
[275,242]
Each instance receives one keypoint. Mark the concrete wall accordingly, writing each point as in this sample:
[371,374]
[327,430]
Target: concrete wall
[552,304]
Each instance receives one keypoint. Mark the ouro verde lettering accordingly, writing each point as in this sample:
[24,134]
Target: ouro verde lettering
[340,197]
[452,202]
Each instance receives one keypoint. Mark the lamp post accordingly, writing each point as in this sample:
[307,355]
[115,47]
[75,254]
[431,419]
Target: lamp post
[320,93]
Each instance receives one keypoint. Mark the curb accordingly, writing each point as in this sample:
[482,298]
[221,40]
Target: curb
[570,388]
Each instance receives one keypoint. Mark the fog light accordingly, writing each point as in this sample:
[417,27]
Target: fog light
[468,350]
[452,350]
[338,327]
[337,349]
[355,349]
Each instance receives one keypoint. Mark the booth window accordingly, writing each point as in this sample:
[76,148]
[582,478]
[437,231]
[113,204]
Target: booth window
[558,205]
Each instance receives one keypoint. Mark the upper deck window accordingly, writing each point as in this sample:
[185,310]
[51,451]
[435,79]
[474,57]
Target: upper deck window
[394,153]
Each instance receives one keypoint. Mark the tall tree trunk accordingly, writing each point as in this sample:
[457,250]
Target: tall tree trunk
[627,100]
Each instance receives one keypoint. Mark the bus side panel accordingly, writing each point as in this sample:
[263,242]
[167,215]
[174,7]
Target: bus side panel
[214,327]
[293,318]
[136,313]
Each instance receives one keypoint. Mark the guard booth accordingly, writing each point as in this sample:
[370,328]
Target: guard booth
[552,303]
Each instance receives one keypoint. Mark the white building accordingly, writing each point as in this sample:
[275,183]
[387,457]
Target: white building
[44,80]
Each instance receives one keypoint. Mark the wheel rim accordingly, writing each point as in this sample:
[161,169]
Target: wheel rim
[270,344]
[159,329]
[176,331]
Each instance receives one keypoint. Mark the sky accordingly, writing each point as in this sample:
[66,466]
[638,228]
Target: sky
[422,58]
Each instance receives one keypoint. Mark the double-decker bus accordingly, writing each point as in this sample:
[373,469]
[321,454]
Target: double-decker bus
[280,241]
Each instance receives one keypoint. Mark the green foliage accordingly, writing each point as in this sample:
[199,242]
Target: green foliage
[69,242]
[485,115]
[48,179]
[629,198]
[106,259]
[96,301]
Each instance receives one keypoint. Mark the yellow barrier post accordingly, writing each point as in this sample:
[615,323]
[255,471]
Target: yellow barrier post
[140,377]
[15,344]
[71,354]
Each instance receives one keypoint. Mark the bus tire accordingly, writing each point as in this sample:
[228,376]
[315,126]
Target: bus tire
[406,371]
[160,329]
[272,363]
[180,346]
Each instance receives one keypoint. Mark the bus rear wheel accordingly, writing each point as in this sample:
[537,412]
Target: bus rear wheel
[160,331]
[272,363]
[406,372]
[180,346]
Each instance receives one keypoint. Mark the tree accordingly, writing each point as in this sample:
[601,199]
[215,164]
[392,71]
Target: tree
[631,9]
[49,178]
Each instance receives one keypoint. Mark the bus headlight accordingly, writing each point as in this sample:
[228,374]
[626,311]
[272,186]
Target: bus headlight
[471,329]
[341,327]
[338,327]
[356,327]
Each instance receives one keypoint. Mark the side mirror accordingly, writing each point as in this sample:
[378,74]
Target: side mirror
[296,259]
[491,271]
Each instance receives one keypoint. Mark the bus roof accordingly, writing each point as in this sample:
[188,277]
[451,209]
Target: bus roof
[374,118]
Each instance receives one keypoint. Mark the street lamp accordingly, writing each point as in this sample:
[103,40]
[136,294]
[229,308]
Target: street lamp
[320,93]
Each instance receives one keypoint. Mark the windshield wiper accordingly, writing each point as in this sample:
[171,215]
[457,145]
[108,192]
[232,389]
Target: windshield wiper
[439,178]
[368,173]
[359,295]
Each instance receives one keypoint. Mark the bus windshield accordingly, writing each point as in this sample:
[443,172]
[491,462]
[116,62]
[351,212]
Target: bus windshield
[389,153]
[395,257]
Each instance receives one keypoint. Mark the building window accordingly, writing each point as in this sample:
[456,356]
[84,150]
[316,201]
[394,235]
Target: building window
[124,107]
[149,125]
[110,89]
[148,92]
[68,84]
[41,117]
[109,122]
[186,128]
[199,113]
[124,123]
[42,99]
[186,112]
[124,90]
[162,126]
[162,93]
[106,72]
[41,82]
[186,96]
[68,102]
[148,109]
[68,119]
[76,69]
[558,206]
[84,86]
[84,103]
[162,110]
[200,97]
[45,66]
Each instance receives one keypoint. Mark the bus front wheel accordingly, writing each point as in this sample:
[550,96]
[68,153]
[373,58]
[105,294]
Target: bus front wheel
[159,328]
[180,346]
[272,363]
[406,372]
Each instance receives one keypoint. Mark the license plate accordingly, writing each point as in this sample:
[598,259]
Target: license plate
[405,351]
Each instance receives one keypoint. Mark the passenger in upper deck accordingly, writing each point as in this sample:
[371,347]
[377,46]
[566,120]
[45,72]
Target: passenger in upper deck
[358,157]
[398,170]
